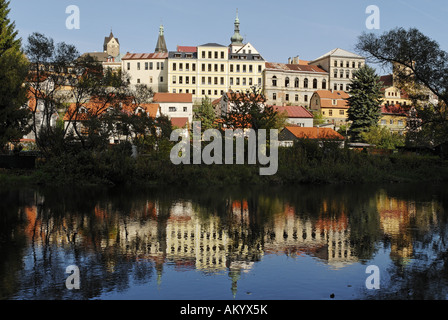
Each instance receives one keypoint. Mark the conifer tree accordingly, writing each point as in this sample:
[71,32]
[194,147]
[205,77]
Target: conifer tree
[13,71]
[364,102]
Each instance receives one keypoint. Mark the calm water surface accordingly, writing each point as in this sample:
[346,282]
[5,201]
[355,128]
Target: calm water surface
[295,243]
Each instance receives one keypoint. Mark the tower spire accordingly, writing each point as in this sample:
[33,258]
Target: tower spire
[161,44]
[237,39]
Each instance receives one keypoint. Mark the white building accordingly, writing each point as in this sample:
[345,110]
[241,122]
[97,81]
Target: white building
[177,106]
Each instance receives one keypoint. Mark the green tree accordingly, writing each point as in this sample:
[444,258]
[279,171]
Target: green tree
[13,93]
[364,101]
[205,113]
[421,69]
[383,138]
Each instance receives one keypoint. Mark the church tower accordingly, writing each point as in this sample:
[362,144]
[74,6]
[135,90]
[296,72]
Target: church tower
[237,38]
[161,44]
[111,45]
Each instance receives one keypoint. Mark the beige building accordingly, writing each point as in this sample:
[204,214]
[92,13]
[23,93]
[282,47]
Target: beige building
[341,66]
[147,68]
[332,105]
[293,83]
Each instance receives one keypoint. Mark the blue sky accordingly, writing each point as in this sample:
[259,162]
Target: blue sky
[278,29]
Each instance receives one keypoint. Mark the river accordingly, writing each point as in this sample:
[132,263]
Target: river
[282,243]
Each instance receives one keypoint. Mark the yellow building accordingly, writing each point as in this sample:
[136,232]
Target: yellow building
[332,105]
[394,117]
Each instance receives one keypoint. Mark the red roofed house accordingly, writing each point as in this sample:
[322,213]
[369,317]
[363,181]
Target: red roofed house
[177,106]
[296,115]
[290,134]
[394,117]
[332,105]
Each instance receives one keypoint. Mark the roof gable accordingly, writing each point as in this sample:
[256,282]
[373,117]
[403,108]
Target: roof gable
[314,133]
[338,52]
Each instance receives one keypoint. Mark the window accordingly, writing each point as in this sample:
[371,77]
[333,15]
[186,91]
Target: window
[342,74]
[203,80]
[172,109]
[203,67]
[237,81]
[180,80]
[400,122]
[341,112]
[222,81]
[259,81]
[231,68]
[259,68]
[138,80]
[244,68]
[314,83]
[209,67]
[342,64]
[251,69]
[187,67]
[222,54]
[274,96]
[287,97]
[151,66]
[181,67]
[174,67]
[203,54]
[335,63]
[161,65]
[161,79]
[231,81]
[215,80]
[335,86]
[146,66]
[341,87]
[209,54]
[330,112]
[274,81]
[334,102]
[174,79]
[216,67]
[185,109]
[296,97]
[335,73]
[250,81]
[347,64]
[287,82]
[150,79]
[193,80]
[353,64]
[305,83]
[347,74]
[305,98]
[138,65]
[296,82]
[324,84]
[222,68]
[391,121]
[237,68]
[158,65]
[216,54]
[187,80]
[193,66]
[129,66]
[209,80]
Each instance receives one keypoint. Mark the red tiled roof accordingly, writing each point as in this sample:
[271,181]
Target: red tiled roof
[388,80]
[294,111]
[314,133]
[394,109]
[327,97]
[238,97]
[179,122]
[294,67]
[187,49]
[332,94]
[140,56]
[172,97]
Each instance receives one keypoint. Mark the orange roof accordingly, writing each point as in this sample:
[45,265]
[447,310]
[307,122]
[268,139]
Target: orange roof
[301,67]
[142,56]
[96,107]
[180,122]
[314,133]
[232,96]
[332,94]
[187,49]
[294,111]
[394,109]
[173,97]
[328,96]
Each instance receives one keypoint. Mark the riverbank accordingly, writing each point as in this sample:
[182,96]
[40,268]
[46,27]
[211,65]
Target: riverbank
[301,164]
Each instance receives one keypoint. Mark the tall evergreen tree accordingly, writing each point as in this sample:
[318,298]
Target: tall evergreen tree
[13,71]
[364,102]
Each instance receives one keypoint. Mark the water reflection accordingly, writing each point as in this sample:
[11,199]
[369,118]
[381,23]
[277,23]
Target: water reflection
[122,238]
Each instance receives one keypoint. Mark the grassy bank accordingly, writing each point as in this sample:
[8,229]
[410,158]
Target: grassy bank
[305,163]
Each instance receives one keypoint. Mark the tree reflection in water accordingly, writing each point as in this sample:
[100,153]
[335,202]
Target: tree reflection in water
[124,237]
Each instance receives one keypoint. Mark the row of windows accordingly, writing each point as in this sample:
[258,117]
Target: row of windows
[341,74]
[174,109]
[243,81]
[391,122]
[215,67]
[204,92]
[150,80]
[147,65]
[341,63]
[215,80]
[330,113]
[213,54]
[296,97]
[296,83]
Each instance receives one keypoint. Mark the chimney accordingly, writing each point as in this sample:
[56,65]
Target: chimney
[289,60]
[296,60]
